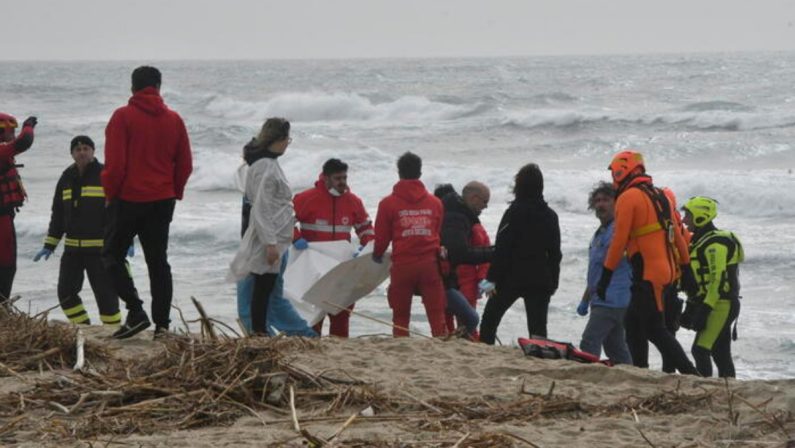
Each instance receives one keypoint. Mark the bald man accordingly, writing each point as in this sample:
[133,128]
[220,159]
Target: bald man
[460,216]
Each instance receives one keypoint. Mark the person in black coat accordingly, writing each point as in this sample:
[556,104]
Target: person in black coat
[527,258]
[460,215]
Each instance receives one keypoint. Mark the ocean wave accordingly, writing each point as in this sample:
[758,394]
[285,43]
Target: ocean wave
[319,107]
[695,120]
[717,105]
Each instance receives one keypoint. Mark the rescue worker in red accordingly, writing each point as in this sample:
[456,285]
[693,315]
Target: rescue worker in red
[411,219]
[12,195]
[78,214]
[328,212]
[646,231]
[147,164]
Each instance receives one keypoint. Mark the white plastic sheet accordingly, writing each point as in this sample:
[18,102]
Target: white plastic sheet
[324,278]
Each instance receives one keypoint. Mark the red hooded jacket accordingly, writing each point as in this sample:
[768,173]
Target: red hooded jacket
[411,219]
[147,151]
[324,217]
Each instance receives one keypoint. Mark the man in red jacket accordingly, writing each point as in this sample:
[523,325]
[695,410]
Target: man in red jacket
[328,212]
[12,195]
[147,164]
[411,219]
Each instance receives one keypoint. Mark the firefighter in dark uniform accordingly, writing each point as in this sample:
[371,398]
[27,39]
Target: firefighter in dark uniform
[78,211]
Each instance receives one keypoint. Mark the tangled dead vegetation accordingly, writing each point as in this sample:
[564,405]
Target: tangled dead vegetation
[211,380]
[33,343]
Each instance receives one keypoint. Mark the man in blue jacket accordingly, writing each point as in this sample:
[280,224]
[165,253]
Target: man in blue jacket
[605,327]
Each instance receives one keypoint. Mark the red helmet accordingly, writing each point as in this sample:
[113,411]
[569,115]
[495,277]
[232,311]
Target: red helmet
[7,125]
[624,164]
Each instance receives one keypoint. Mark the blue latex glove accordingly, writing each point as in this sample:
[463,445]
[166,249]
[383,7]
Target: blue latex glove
[131,251]
[300,244]
[357,251]
[582,309]
[486,287]
[378,259]
[43,253]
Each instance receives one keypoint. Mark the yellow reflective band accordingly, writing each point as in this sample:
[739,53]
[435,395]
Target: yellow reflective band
[52,240]
[71,242]
[113,319]
[79,319]
[67,194]
[645,230]
[77,309]
[91,243]
[92,192]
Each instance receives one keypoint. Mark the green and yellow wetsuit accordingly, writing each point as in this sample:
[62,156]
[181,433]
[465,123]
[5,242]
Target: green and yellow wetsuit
[715,256]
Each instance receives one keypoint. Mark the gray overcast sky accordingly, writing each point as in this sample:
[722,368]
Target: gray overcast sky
[264,29]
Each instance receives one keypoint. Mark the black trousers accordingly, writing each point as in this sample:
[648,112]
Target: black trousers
[150,221]
[263,286]
[8,255]
[70,282]
[644,323]
[673,311]
[536,306]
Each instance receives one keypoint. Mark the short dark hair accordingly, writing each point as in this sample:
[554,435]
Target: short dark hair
[333,166]
[409,166]
[443,190]
[605,188]
[81,140]
[529,182]
[146,76]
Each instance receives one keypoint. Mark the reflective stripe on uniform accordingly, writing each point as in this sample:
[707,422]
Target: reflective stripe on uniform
[367,232]
[645,230]
[76,314]
[72,242]
[67,194]
[92,192]
[325,228]
[113,319]
[51,240]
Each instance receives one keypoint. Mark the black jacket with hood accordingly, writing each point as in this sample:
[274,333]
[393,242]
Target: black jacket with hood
[456,236]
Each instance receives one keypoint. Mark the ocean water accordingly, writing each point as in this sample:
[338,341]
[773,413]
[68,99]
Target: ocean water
[721,125]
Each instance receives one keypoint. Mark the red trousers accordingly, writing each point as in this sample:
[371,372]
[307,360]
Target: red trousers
[424,277]
[339,324]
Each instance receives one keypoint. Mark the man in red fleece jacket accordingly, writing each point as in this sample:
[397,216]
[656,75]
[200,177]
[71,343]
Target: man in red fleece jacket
[411,219]
[147,164]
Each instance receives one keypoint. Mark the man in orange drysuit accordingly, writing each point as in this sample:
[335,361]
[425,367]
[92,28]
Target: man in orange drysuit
[645,229]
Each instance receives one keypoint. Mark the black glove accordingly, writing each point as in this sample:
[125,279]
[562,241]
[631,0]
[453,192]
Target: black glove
[30,121]
[604,282]
[700,316]
[688,283]
[686,319]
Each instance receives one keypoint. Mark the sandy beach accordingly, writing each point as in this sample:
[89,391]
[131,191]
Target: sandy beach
[368,391]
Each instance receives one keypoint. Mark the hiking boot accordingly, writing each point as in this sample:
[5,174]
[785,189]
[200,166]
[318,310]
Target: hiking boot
[135,323]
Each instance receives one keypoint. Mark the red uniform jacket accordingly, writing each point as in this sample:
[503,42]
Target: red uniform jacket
[147,151]
[411,219]
[323,217]
[470,275]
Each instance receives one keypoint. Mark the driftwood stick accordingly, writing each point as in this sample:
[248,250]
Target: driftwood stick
[374,319]
[12,372]
[81,353]
[771,419]
[207,325]
[344,425]
[296,426]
